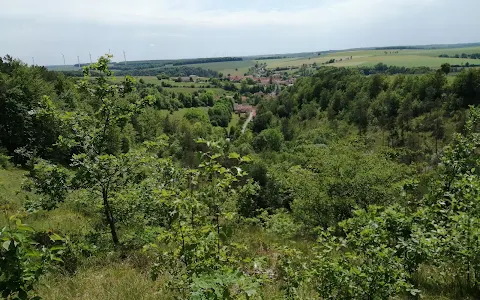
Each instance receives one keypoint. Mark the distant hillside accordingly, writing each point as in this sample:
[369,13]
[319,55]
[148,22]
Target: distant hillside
[149,65]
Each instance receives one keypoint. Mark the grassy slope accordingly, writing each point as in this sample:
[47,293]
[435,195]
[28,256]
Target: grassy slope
[11,193]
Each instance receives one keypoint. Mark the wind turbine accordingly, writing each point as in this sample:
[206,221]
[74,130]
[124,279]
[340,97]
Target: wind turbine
[33,61]
[124,57]
[78,59]
[64,64]
[90,57]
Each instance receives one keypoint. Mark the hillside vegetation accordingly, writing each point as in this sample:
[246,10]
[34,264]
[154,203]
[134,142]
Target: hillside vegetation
[345,186]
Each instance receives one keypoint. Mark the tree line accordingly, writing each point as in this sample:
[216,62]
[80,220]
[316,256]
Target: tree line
[178,71]
[463,55]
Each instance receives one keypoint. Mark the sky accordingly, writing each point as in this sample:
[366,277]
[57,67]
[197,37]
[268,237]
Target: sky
[171,29]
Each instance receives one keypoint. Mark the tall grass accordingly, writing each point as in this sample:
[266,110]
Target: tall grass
[113,282]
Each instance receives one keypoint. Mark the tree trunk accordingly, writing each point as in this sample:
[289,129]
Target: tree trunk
[109,216]
[218,236]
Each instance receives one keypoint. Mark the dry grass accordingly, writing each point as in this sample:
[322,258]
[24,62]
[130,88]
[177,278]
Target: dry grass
[113,282]
[61,220]
[11,186]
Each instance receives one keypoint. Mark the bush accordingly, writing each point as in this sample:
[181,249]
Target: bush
[23,260]
[5,161]
[282,224]
[269,139]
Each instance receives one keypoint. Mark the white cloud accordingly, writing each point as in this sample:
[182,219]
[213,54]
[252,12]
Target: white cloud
[198,13]
[202,28]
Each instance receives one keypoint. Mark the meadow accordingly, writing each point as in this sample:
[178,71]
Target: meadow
[234,68]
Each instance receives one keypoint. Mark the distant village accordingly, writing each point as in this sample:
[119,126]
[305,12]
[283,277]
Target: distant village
[274,79]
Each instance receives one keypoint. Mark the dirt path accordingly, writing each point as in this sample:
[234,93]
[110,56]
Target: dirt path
[250,117]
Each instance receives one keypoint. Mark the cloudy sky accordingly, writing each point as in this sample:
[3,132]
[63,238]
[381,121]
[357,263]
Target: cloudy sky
[163,29]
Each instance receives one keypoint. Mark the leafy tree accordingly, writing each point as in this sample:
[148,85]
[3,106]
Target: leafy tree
[269,140]
[331,181]
[360,113]
[207,98]
[308,111]
[196,115]
[335,105]
[196,247]
[29,120]
[377,84]
[467,86]
[99,167]
[438,131]
[446,68]
[162,76]
[221,113]
[262,121]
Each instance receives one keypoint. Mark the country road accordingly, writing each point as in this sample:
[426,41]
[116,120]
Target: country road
[250,117]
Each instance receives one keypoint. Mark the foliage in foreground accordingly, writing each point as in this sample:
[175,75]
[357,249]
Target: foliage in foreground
[340,215]
[23,259]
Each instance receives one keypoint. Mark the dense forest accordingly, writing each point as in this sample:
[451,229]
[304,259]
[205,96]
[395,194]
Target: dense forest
[345,186]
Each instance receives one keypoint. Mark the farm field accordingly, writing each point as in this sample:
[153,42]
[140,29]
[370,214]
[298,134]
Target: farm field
[405,58]
[234,68]
[405,61]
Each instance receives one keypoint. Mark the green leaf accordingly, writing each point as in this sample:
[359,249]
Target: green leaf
[56,258]
[234,155]
[6,245]
[24,227]
[56,237]
[57,248]
[246,159]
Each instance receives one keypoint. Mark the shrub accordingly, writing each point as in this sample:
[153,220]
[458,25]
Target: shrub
[5,161]
[23,260]
[282,224]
